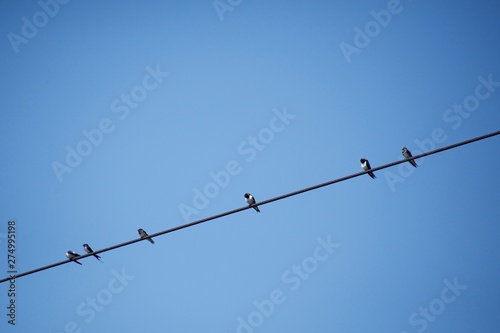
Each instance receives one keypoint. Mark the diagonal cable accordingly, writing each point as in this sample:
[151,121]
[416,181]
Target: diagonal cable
[281,197]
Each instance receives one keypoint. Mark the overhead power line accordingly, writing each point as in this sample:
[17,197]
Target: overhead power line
[260,203]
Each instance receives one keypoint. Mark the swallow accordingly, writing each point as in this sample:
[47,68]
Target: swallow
[407,154]
[72,255]
[250,200]
[144,234]
[366,166]
[88,249]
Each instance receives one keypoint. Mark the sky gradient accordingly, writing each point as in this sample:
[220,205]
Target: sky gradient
[125,115]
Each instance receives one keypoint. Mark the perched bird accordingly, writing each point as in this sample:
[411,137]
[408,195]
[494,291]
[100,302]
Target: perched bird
[250,200]
[72,255]
[366,166]
[407,154]
[88,249]
[144,234]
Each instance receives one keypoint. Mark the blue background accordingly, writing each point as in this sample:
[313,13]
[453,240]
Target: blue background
[401,239]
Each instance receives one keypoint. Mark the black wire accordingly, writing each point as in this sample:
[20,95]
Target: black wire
[187,225]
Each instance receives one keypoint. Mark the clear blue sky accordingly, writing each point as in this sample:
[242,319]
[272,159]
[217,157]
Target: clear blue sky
[125,115]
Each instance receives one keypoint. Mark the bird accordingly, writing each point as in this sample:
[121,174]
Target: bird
[88,249]
[144,234]
[366,166]
[72,255]
[250,200]
[407,154]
